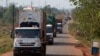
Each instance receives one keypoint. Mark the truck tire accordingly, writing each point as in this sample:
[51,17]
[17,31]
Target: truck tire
[42,53]
[60,31]
[50,43]
[16,54]
[43,50]
[54,34]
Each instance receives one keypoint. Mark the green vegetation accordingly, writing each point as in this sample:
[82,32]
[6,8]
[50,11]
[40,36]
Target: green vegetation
[5,27]
[52,10]
[5,40]
[87,16]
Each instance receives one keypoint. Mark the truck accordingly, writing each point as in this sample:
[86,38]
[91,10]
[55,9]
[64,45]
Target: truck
[52,20]
[49,34]
[59,25]
[30,34]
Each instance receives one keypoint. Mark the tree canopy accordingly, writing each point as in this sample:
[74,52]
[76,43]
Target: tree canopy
[87,14]
[52,10]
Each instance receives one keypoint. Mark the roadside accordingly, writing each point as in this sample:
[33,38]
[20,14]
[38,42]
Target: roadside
[84,44]
[85,50]
[5,40]
[8,53]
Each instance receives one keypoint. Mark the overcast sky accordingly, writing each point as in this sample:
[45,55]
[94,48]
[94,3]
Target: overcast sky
[62,4]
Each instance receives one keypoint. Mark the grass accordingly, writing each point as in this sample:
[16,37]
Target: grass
[5,40]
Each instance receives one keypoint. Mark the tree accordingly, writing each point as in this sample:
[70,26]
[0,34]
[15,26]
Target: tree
[86,14]
[2,11]
[7,16]
[51,10]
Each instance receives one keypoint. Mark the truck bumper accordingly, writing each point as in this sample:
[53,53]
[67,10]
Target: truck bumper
[27,50]
[48,38]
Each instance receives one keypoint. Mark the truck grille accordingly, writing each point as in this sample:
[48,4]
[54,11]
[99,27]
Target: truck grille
[27,44]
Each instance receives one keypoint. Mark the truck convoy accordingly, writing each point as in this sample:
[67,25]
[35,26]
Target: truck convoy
[30,35]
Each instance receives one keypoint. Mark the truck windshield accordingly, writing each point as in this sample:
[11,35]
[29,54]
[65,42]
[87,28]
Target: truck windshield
[49,30]
[27,33]
[59,25]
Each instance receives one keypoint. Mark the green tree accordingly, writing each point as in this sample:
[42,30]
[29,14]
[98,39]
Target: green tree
[86,14]
[7,16]
[2,11]
[51,10]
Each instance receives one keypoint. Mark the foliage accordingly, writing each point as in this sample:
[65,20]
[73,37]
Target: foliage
[5,41]
[87,14]
[7,16]
[2,11]
[51,10]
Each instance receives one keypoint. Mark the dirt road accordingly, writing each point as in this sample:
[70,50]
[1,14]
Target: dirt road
[64,45]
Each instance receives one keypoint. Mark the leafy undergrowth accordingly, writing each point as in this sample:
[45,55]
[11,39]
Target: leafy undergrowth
[5,40]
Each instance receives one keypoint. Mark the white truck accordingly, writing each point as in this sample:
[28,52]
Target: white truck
[30,35]
[49,33]
[59,27]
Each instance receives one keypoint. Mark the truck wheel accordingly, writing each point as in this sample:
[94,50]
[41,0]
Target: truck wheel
[60,31]
[16,54]
[43,52]
[51,43]
[54,35]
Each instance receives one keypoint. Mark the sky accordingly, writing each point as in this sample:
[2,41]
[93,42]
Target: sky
[60,4]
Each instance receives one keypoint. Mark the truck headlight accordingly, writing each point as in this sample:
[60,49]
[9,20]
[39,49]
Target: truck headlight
[19,41]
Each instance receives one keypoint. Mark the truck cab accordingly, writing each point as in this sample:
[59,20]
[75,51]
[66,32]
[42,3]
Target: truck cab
[27,40]
[49,33]
[59,27]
